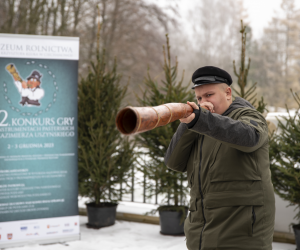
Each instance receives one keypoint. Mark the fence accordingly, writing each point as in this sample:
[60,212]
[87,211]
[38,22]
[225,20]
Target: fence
[138,189]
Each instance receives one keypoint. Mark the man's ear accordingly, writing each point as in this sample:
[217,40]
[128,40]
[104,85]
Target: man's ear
[228,93]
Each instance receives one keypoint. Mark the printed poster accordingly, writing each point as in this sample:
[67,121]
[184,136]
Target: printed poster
[38,138]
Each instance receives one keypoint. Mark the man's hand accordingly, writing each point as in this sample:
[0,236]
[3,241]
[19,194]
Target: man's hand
[191,116]
[207,105]
[24,85]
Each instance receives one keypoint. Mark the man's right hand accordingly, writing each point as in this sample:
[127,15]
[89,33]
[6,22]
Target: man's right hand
[208,105]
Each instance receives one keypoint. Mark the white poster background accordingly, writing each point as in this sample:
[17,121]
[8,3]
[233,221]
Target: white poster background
[18,233]
[39,47]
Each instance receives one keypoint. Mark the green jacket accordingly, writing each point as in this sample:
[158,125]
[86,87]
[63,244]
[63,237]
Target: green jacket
[226,157]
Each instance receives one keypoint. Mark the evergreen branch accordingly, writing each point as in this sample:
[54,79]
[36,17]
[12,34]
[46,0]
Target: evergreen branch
[252,87]
[250,92]
[168,49]
[234,69]
[252,101]
[165,58]
[296,97]
[248,68]
[236,91]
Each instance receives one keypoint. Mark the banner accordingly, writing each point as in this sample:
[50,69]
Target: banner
[38,139]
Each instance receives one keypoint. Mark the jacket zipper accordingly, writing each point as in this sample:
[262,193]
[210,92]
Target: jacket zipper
[254,218]
[201,194]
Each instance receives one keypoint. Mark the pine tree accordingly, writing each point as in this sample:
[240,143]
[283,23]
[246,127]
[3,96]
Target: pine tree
[105,158]
[161,180]
[285,157]
[250,93]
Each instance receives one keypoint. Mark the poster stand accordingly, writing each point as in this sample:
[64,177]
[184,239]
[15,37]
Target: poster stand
[38,139]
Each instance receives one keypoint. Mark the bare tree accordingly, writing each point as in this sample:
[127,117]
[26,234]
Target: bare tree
[46,17]
[132,30]
[281,55]
[216,37]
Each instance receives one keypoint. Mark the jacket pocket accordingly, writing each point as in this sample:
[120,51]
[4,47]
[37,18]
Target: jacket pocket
[233,165]
[192,209]
[228,223]
[235,186]
[195,212]
[234,212]
[234,198]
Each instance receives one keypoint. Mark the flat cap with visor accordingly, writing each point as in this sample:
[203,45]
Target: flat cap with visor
[210,74]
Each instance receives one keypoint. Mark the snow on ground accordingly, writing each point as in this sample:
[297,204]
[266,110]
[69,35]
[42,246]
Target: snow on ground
[125,236]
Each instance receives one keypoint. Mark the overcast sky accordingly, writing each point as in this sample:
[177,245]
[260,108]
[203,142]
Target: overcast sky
[260,12]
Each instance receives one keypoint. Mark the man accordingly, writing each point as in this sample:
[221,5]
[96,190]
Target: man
[223,146]
[30,91]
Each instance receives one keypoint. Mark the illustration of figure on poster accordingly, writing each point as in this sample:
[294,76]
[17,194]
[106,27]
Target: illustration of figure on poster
[30,90]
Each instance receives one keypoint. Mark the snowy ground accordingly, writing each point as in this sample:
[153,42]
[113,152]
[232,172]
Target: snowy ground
[126,236]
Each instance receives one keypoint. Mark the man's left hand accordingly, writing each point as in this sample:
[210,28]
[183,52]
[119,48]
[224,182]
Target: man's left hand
[191,116]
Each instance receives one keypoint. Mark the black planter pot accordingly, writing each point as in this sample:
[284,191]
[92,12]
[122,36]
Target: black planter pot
[101,215]
[170,221]
[296,229]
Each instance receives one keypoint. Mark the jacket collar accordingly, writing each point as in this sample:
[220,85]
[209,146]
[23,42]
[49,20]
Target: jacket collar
[238,102]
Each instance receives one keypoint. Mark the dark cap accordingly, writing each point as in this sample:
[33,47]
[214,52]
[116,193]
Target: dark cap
[210,74]
[36,75]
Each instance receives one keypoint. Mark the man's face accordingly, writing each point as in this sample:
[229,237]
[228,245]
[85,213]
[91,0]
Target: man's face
[219,94]
[33,83]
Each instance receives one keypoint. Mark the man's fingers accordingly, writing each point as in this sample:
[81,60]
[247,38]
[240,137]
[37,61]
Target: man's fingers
[193,105]
[209,106]
[187,119]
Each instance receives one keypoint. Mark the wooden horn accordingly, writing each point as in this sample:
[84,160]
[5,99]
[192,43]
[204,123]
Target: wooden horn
[132,120]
